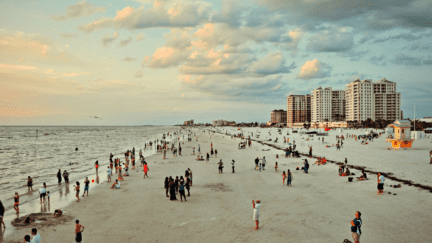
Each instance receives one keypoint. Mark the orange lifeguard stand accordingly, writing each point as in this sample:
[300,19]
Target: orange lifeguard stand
[402,137]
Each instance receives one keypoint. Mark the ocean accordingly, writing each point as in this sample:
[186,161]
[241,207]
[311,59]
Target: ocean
[22,154]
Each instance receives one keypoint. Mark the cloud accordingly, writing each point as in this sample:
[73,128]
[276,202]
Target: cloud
[183,14]
[78,10]
[27,48]
[68,35]
[273,63]
[403,59]
[380,61]
[165,57]
[76,74]
[107,40]
[314,69]
[374,14]
[129,59]
[139,37]
[330,41]
[139,74]
[125,42]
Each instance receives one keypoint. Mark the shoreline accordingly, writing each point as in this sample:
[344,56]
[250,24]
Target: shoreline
[224,212]
[58,201]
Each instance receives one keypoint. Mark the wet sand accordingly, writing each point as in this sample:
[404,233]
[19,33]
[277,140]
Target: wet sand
[317,208]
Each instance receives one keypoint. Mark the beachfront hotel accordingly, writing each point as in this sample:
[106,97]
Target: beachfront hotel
[189,123]
[375,100]
[298,109]
[278,116]
[327,105]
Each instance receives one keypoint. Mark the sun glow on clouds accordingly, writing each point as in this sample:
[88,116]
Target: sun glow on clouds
[163,52]
[122,14]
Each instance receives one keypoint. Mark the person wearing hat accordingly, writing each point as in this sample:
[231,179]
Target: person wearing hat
[256,207]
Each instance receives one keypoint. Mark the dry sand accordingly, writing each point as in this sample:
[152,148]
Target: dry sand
[317,208]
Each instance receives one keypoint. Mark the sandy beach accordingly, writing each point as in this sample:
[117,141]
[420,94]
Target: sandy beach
[317,208]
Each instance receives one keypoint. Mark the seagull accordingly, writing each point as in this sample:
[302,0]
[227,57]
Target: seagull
[96,117]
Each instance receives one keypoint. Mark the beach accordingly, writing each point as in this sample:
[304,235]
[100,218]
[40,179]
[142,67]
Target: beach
[317,208]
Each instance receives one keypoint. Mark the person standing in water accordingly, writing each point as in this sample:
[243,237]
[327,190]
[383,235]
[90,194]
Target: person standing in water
[77,189]
[16,202]
[96,166]
[30,184]
[59,176]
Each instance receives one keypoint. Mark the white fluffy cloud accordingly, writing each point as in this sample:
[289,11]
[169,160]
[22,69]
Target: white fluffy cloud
[161,14]
[273,63]
[314,69]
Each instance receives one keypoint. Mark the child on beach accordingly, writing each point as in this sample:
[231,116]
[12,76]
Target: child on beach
[97,166]
[283,178]
[48,196]
[109,171]
[57,213]
[16,202]
[276,167]
[193,150]
[116,184]
[215,153]
[260,166]
[146,169]
[77,189]
[78,230]
[233,171]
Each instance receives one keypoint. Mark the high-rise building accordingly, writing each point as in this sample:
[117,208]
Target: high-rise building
[278,116]
[189,123]
[298,109]
[327,105]
[375,100]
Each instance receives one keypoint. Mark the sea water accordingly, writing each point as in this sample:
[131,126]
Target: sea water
[41,151]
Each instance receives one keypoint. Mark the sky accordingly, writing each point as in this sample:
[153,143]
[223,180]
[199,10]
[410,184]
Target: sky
[148,62]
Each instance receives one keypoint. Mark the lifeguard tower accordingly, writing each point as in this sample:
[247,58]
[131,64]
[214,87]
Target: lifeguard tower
[402,131]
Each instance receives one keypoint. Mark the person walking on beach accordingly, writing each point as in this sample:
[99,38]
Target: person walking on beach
[256,163]
[77,189]
[283,178]
[166,186]
[306,167]
[290,178]
[182,191]
[86,186]
[276,167]
[59,176]
[190,176]
[172,186]
[96,164]
[220,167]
[356,227]
[215,153]
[193,150]
[66,176]
[346,161]
[211,152]
[310,151]
[146,169]
[2,211]
[337,147]
[199,148]
[78,231]
[208,158]
[165,151]
[16,202]
[30,184]
[380,184]
[263,163]
[109,171]
[233,171]
[256,212]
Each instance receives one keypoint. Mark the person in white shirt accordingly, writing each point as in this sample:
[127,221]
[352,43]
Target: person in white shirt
[36,236]
[109,171]
[380,184]
[42,193]
[256,207]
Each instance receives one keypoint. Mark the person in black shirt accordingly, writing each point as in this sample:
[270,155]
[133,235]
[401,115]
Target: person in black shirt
[256,163]
[356,227]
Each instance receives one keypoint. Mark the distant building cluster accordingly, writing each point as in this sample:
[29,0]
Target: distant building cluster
[189,123]
[223,123]
[359,101]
